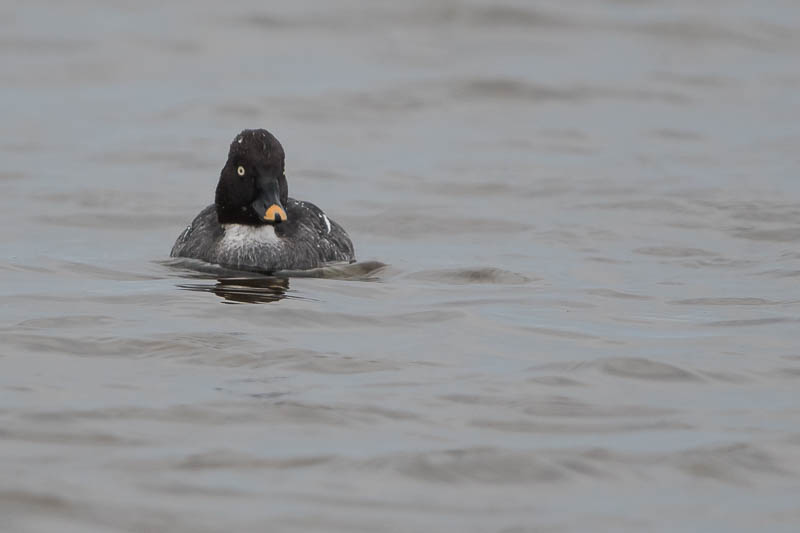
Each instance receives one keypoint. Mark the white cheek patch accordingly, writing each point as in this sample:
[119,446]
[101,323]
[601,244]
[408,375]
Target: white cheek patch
[327,222]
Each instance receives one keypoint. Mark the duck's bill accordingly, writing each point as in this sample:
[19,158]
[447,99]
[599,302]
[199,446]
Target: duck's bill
[275,214]
[268,206]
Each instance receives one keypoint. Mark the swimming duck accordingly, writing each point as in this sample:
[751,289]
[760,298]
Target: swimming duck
[253,224]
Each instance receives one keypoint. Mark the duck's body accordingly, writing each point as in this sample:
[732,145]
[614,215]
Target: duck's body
[254,225]
[308,239]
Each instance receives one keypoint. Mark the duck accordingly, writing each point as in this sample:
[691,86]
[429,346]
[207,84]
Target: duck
[254,225]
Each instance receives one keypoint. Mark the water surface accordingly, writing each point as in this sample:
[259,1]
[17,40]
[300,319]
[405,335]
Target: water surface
[590,217]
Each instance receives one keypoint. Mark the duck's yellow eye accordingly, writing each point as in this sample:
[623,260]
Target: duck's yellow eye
[240,170]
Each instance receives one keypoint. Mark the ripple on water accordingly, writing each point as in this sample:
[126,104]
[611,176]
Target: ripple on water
[235,286]
[750,322]
[673,251]
[304,318]
[641,368]
[14,267]
[733,301]
[610,293]
[731,463]
[189,344]
[79,438]
[227,459]
[424,14]
[195,268]
[557,381]
[556,406]
[473,465]
[358,271]
[340,364]
[573,427]
[67,321]
[95,271]
[625,367]
[459,276]
[787,234]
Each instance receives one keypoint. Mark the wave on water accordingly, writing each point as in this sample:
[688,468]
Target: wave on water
[488,275]
[236,286]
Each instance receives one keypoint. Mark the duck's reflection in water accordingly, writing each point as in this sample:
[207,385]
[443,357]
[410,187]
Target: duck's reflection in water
[253,290]
[235,286]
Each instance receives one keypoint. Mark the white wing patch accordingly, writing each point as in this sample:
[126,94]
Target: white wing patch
[327,222]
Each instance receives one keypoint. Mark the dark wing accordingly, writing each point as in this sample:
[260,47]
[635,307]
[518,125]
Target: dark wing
[314,234]
[199,239]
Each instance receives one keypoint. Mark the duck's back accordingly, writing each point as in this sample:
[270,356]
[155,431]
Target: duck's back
[307,239]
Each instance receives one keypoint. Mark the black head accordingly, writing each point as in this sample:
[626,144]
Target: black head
[252,186]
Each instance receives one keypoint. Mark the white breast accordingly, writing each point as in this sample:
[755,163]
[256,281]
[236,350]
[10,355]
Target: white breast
[240,235]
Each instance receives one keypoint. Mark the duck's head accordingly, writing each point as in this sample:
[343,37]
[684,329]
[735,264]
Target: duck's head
[252,186]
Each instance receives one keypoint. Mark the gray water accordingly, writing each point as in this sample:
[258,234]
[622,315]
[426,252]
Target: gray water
[589,214]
